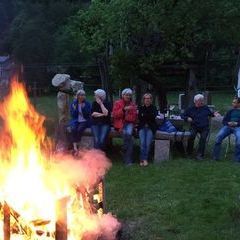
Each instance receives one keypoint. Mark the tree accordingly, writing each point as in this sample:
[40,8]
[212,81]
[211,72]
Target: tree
[31,36]
[134,37]
[150,33]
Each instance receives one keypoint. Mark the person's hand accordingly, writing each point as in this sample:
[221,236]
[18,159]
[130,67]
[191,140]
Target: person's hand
[128,108]
[97,114]
[98,100]
[235,124]
[217,114]
[189,119]
[74,106]
[83,104]
[232,124]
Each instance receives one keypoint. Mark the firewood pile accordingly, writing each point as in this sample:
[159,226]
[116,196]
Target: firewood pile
[38,229]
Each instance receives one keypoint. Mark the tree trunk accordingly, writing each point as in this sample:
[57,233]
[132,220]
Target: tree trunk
[104,75]
[191,88]
[161,93]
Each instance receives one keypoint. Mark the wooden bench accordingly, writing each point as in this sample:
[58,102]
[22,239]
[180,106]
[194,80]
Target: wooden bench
[162,142]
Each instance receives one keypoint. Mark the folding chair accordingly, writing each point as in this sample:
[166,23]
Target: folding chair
[228,146]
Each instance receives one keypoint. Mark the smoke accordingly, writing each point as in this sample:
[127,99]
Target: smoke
[87,170]
[109,226]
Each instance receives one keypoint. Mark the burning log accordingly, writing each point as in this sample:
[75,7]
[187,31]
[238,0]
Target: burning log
[87,199]
[101,194]
[61,223]
[6,222]
[18,227]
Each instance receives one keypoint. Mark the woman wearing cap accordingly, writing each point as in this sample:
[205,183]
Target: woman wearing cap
[80,111]
[101,119]
[147,127]
[124,118]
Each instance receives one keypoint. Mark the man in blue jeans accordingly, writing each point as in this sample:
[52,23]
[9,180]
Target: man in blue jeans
[231,122]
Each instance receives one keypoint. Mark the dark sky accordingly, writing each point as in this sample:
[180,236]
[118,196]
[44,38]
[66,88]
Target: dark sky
[6,15]
[6,12]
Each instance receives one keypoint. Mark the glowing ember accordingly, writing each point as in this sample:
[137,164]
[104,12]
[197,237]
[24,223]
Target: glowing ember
[39,191]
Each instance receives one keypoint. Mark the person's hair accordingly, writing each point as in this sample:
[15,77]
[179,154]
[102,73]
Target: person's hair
[198,97]
[127,91]
[100,93]
[145,95]
[80,92]
[237,99]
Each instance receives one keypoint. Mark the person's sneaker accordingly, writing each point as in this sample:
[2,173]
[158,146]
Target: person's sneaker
[145,163]
[128,164]
[199,157]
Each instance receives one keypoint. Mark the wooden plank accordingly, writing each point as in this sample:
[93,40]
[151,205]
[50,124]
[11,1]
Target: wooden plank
[61,223]
[6,222]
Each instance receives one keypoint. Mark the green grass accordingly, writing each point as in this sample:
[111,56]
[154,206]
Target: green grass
[46,105]
[180,199]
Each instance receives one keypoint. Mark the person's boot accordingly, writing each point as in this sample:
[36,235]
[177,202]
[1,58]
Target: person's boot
[199,157]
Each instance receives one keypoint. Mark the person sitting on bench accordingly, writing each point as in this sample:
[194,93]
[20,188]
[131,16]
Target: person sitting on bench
[101,119]
[124,118]
[231,122]
[147,127]
[198,116]
[80,111]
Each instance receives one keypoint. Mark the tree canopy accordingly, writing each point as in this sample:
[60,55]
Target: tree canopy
[137,36]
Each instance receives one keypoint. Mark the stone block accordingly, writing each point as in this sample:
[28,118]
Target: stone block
[86,142]
[161,150]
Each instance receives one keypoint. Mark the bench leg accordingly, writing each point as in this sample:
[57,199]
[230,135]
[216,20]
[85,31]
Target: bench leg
[185,145]
[161,150]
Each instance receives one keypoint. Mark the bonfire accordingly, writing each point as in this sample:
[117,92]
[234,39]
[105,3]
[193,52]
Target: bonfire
[42,195]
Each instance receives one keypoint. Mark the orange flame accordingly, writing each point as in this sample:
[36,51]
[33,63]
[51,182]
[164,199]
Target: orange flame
[32,181]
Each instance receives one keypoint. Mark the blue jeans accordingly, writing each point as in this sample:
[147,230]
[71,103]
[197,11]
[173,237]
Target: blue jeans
[146,137]
[127,143]
[76,131]
[223,133]
[100,132]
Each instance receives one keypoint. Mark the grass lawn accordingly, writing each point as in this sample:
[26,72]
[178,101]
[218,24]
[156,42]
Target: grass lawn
[181,199]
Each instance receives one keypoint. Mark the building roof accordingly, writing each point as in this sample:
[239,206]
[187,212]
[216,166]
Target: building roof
[4,59]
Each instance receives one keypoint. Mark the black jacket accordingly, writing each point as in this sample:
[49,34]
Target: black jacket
[199,115]
[146,117]
[97,108]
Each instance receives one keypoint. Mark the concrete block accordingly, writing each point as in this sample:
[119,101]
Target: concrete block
[161,150]
[86,142]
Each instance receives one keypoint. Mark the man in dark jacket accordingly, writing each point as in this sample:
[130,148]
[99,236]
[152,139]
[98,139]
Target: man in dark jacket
[198,116]
[231,122]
